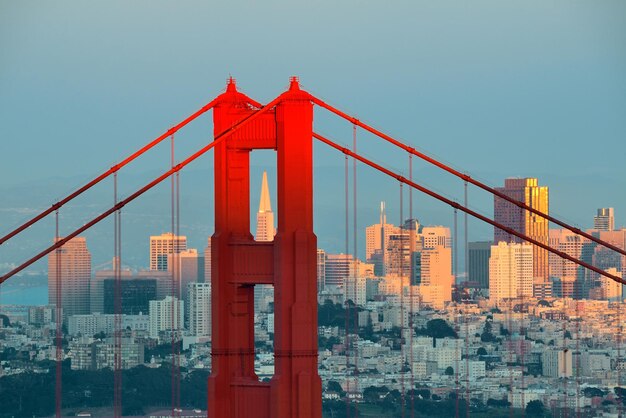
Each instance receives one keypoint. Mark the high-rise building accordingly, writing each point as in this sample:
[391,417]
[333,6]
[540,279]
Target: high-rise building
[136,295]
[565,274]
[377,241]
[321,269]
[163,245]
[187,265]
[510,271]
[604,220]
[338,268]
[200,309]
[207,262]
[436,278]
[166,315]
[74,268]
[527,191]
[436,236]
[265,230]
[478,263]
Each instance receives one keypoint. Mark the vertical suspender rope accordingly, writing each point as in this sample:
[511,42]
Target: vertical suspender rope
[457,353]
[59,321]
[171,263]
[412,238]
[179,293]
[466,315]
[402,346]
[347,279]
[355,268]
[117,336]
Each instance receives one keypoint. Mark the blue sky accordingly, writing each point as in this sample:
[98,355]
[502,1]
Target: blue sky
[496,89]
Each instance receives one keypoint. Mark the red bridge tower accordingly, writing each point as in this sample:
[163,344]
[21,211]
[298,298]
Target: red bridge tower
[289,263]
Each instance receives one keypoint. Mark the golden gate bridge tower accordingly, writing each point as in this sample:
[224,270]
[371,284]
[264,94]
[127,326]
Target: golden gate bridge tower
[288,263]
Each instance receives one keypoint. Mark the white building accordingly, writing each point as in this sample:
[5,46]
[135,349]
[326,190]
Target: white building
[163,245]
[510,271]
[166,315]
[199,309]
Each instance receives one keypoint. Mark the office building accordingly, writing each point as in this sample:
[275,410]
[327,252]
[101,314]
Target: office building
[377,241]
[436,236]
[265,229]
[166,315]
[136,293]
[527,191]
[163,245]
[321,269]
[604,220]
[74,272]
[510,271]
[338,268]
[199,309]
[478,263]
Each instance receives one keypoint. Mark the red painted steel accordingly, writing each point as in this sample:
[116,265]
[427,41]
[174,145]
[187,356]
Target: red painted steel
[463,176]
[466,210]
[289,263]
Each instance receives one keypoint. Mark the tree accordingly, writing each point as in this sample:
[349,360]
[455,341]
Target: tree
[481,351]
[535,409]
[449,371]
[334,386]
[437,328]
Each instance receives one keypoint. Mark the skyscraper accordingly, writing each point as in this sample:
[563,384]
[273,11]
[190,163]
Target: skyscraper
[200,309]
[187,262]
[166,315]
[604,220]
[528,191]
[436,275]
[436,236]
[478,263]
[74,262]
[265,230]
[207,262]
[163,245]
[338,268]
[321,269]
[377,241]
[510,271]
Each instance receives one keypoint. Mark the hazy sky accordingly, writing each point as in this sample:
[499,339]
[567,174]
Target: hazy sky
[495,88]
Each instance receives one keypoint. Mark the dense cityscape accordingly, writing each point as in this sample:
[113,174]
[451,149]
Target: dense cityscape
[405,329]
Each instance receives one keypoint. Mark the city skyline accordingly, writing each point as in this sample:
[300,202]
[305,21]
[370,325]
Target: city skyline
[438,228]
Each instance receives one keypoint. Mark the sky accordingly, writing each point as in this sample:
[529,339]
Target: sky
[495,89]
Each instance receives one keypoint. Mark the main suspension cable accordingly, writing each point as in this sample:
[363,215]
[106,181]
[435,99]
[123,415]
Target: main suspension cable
[464,176]
[217,140]
[109,172]
[469,211]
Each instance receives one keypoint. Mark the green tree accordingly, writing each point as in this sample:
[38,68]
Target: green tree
[449,371]
[535,409]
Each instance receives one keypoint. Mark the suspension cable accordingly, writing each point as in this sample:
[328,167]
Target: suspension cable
[112,170]
[218,139]
[469,211]
[464,176]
